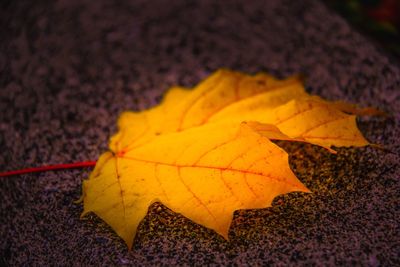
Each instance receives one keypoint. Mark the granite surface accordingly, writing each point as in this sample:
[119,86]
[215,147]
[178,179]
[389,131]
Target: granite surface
[68,68]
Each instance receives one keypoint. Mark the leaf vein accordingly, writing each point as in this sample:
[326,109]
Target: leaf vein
[195,196]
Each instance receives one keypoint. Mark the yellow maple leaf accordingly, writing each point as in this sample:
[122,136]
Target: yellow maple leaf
[182,108]
[207,152]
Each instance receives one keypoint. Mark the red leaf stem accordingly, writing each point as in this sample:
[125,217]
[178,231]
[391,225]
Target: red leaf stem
[75,165]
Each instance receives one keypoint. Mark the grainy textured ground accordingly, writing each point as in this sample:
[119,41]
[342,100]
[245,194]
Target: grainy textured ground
[68,68]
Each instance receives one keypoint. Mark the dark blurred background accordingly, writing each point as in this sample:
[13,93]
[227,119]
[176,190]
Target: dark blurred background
[380,19]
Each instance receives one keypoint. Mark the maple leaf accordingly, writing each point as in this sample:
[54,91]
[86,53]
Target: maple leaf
[207,152]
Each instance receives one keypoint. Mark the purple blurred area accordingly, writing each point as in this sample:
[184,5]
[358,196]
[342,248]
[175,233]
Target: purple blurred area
[69,68]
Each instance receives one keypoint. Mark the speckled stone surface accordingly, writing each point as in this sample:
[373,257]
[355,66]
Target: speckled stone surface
[68,68]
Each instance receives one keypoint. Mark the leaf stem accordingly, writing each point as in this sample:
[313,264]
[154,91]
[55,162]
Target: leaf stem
[74,165]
